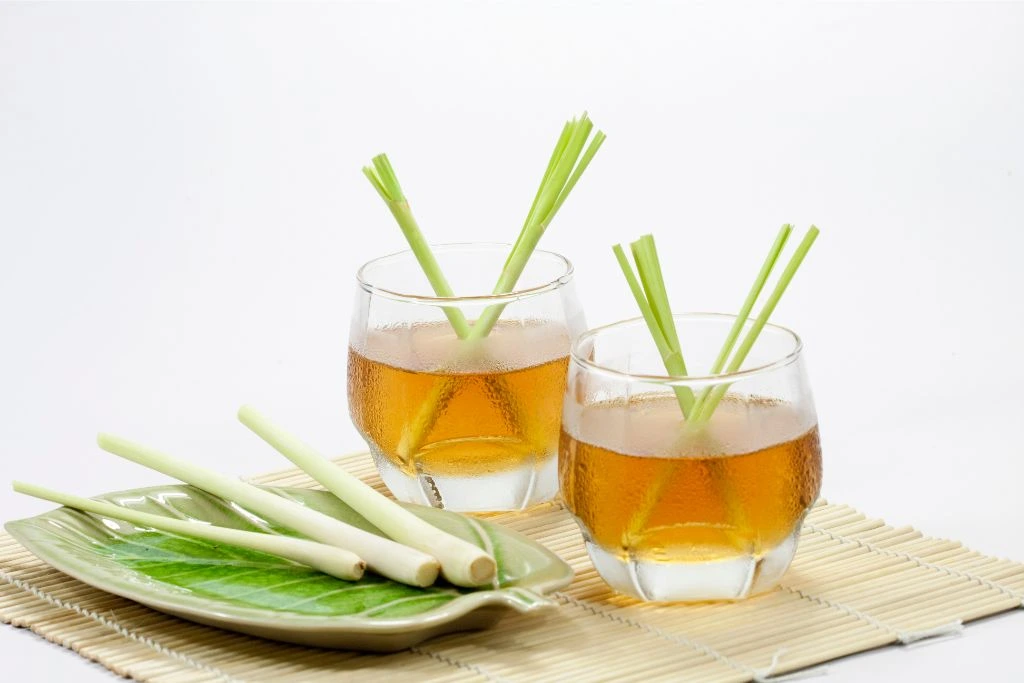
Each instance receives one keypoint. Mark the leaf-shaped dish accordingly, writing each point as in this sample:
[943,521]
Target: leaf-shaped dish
[263,595]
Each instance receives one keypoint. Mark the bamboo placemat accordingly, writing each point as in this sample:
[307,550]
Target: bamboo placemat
[856,584]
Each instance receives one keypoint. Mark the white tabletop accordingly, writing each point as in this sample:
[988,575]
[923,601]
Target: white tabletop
[182,212]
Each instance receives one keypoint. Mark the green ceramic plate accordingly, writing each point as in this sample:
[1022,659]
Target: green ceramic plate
[267,596]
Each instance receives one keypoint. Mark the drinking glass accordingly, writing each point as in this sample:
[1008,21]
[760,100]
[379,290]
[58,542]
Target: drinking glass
[463,423]
[705,508]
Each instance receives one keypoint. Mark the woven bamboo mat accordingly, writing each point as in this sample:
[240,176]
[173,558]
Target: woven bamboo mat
[856,584]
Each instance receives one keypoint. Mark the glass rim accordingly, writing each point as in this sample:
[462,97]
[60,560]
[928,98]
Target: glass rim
[434,300]
[689,380]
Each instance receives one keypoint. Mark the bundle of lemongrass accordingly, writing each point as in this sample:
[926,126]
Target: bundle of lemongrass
[414,552]
[570,158]
[652,298]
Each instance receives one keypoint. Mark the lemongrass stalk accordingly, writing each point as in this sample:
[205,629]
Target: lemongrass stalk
[560,178]
[556,155]
[382,177]
[390,559]
[329,559]
[462,563]
[671,354]
[577,173]
[565,167]
[648,267]
[748,305]
[762,319]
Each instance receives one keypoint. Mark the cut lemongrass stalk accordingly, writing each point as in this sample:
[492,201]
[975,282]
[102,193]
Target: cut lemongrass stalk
[748,306]
[329,559]
[556,155]
[785,278]
[387,558]
[645,254]
[462,563]
[648,267]
[654,307]
[566,165]
[382,176]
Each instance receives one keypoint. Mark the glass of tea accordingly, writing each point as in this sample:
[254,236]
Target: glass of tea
[705,508]
[463,421]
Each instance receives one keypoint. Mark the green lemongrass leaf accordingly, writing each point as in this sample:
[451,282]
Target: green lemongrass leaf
[741,318]
[762,319]
[672,359]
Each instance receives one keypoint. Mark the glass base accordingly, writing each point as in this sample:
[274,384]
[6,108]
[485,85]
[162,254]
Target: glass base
[729,579]
[510,490]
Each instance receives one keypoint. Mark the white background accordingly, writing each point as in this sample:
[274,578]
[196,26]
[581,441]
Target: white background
[182,212]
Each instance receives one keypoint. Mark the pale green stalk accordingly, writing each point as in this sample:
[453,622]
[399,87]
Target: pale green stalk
[462,563]
[563,171]
[382,555]
[577,173]
[326,558]
[762,319]
[748,305]
[655,310]
[382,177]
[645,254]
[556,155]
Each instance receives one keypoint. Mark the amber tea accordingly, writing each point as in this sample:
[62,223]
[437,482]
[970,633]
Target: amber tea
[675,513]
[496,403]
[740,486]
